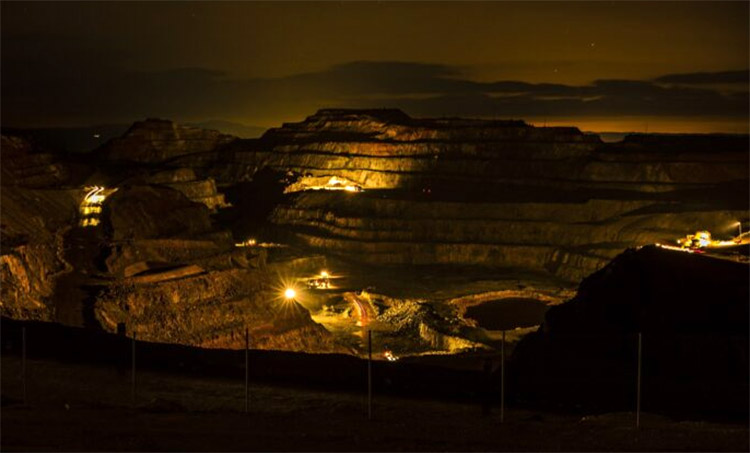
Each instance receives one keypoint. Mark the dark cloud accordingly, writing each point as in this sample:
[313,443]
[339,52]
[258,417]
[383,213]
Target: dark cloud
[708,78]
[92,87]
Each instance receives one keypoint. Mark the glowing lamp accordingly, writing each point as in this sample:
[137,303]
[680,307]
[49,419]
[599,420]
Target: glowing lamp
[290,293]
[324,274]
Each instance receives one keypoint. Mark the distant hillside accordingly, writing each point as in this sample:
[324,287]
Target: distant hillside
[228,127]
[70,139]
[88,138]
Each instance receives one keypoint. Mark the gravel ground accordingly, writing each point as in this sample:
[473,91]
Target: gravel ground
[74,407]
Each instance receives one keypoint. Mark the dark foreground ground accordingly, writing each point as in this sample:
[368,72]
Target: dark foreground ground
[81,407]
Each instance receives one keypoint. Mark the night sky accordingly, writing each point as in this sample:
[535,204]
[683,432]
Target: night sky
[602,66]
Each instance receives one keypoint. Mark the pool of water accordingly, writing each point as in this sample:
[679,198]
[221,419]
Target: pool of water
[505,314]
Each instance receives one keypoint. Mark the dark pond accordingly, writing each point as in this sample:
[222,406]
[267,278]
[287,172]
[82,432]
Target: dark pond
[505,314]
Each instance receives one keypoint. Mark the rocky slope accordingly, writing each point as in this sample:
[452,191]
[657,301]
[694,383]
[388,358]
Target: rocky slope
[490,193]
[134,243]
[154,141]
[369,187]
[172,276]
[212,309]
[569,240]
[386,149]
[34,220]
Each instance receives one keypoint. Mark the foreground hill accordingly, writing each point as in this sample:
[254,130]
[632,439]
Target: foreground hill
[692,314]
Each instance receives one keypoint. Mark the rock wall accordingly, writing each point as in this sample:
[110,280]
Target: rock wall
[490,193]
[213,310]
[388,150]
[24,165]
[155,141]
[473,194]
[33,223]
[198,190]
[153,212]
[570,240]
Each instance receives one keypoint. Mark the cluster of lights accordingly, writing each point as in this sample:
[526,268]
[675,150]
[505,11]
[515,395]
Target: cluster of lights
[321,281]
[91,207]
[389,356]
[289,292]
[89,221]
[246,243]
[255,243]
[679,249]
[339,184]
[90,210]
[695,243]
[335,183]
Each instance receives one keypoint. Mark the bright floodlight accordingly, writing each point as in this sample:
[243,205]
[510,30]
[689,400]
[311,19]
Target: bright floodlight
[290,293]
[324,274]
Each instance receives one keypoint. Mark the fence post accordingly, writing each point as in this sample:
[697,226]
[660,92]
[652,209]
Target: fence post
[132,370]
[638,384]
[502,380]
[23,362]
[369,374]
[247,370]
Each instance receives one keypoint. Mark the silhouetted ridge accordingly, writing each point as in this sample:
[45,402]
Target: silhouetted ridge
[388,115]
[393,125]
[691,142]
[691,312]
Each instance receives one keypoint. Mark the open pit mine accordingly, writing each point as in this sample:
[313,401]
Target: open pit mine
[435,234]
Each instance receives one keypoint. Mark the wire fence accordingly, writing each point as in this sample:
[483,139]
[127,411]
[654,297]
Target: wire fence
[690,373]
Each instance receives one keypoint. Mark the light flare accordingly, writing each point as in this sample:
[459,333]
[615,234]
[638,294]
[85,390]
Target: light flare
[91,206]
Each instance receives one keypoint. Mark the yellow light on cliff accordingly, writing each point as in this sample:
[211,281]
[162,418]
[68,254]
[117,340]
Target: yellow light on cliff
[91,206]
[247,243]
[89,222]
[94,196]
[290,293]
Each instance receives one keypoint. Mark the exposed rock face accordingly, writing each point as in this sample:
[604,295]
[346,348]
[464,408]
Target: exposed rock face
[33,224]
[387,149]
[130,257]
[692,312]
[22,165]
[569,240]
[180,280]
[213,309]
[198,190]
[154,141]
[144,212]
[491,193]
[152,257]
[462,194]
